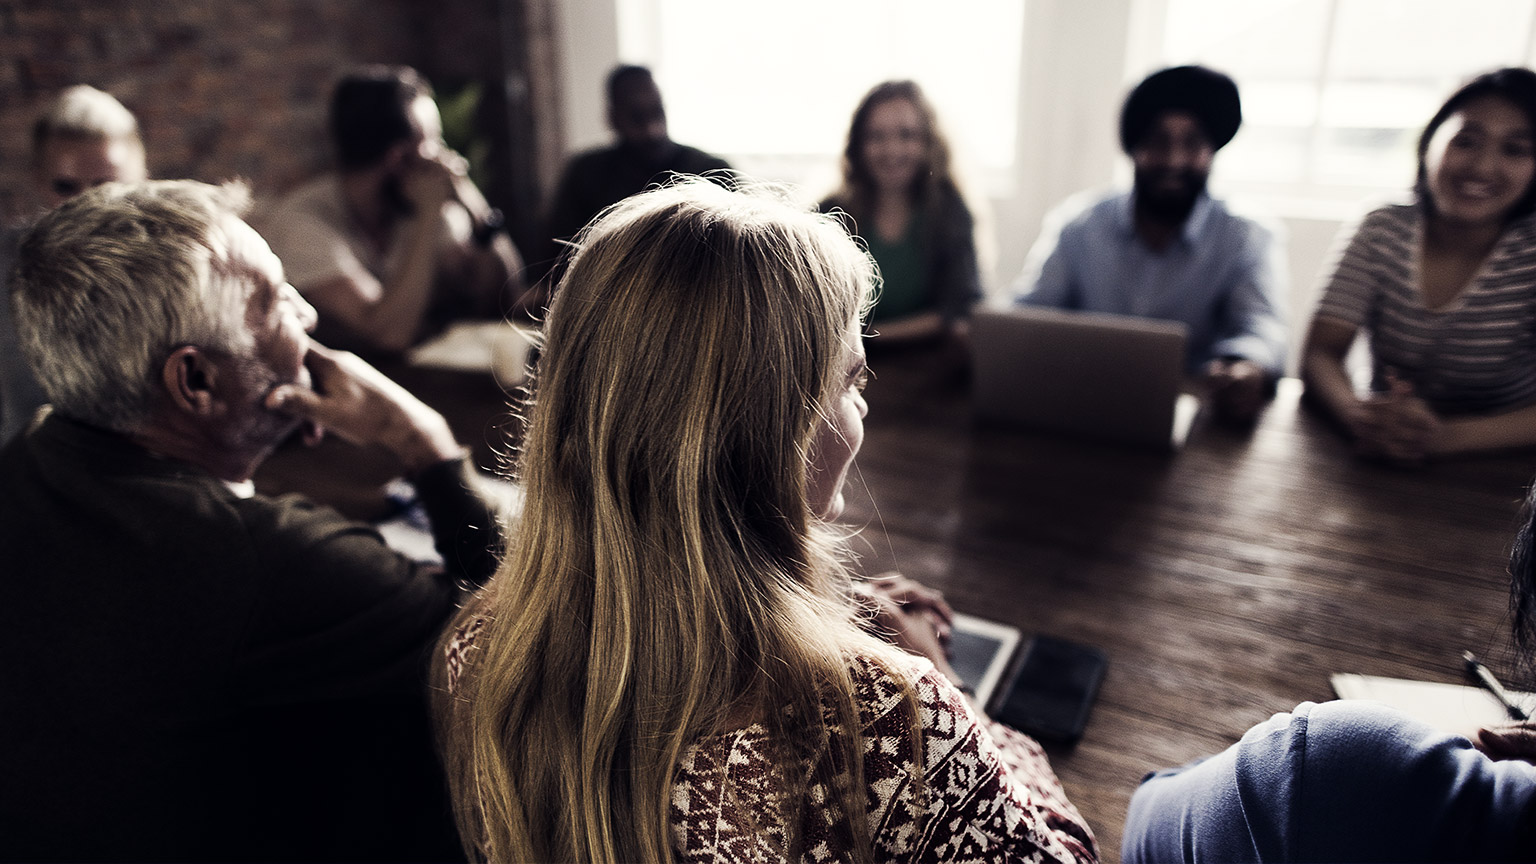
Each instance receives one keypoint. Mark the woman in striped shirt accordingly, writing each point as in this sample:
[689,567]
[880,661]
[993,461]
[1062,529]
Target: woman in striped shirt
[1445,288]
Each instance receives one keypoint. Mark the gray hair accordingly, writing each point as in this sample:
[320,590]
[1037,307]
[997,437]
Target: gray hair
[82,111]
[106,286]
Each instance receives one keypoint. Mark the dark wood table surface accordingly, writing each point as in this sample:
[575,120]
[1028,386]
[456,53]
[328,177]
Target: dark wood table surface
[1225,582]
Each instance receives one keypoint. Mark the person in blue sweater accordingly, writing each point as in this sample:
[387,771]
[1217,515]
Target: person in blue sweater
[1355,781]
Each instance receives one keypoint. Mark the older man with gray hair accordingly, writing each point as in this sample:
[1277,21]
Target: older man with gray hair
[192,671]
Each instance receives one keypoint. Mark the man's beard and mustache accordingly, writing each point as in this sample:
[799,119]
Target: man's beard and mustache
[1168,195]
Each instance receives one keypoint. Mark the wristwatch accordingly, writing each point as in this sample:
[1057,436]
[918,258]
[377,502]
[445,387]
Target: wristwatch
[486,229]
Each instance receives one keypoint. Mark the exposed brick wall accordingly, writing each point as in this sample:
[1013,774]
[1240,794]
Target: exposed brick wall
[239,87]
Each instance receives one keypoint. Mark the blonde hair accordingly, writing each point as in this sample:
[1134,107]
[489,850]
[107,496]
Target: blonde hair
[83,112]
[108,284]
[666,577]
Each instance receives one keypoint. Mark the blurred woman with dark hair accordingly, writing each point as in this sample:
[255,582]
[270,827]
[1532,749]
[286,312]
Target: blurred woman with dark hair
[1445,288]
[899,188]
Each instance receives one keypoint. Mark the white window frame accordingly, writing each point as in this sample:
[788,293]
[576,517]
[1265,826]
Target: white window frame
[1311,197]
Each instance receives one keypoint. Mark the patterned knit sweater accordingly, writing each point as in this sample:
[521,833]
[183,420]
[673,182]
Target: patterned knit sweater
[988,792]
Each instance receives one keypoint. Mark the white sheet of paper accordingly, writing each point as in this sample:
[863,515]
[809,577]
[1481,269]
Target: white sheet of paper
[1455,708]
[478,346]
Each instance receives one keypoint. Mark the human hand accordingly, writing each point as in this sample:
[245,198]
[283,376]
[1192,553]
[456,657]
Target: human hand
[913,596]
[1236,389]
[429,182]
[363,406]
[1397,426]
[1508,741]
[910,616]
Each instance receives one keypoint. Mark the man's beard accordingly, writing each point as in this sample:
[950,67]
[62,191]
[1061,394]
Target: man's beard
[1157,201]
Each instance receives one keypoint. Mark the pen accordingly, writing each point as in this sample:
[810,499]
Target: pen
[1492,685]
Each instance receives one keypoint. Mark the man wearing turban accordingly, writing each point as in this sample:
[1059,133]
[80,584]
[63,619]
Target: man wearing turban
[1166,249]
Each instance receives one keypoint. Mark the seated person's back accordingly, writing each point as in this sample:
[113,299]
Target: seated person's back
[194,672]
[668,665]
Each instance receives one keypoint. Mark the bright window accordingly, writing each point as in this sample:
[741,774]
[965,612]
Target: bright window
[772,86]
[1335,92]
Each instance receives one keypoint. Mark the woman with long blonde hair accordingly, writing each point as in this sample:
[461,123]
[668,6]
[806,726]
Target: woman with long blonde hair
[667,666]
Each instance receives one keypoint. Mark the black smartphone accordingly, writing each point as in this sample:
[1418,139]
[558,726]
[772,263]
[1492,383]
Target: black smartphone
[1051,696]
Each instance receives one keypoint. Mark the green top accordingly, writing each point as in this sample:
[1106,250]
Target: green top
[904,291]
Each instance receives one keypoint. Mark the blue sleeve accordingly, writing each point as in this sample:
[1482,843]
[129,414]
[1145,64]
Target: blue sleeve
[1253,325]
[1048,278]
[1340,781]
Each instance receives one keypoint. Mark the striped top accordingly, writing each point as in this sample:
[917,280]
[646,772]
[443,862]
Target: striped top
[1476,354]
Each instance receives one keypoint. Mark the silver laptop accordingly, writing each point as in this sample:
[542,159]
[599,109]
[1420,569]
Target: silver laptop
[1086,374]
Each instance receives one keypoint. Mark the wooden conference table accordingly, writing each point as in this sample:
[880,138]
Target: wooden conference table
[1225,582]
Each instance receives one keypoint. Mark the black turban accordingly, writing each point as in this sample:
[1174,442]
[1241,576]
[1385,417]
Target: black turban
[1207,94]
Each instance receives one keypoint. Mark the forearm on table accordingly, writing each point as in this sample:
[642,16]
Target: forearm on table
[1330,387]
[1257,335]
[465,526]
[393,322]
[1515,428]
[1328,384]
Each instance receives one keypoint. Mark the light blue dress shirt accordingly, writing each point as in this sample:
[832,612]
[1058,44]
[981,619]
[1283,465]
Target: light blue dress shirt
[1222,276]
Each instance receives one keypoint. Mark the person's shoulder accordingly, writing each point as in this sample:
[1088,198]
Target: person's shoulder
[295,518]
[1522,233]
[1354,729]
[316,198]
[1329,759]
[1094,202]
[585,160]
[696,161]
[1089,207]
[883,684]
[951,205]
[1337,745]
[1394,216]
[893,669]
